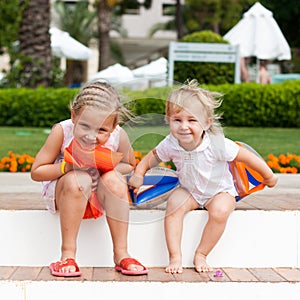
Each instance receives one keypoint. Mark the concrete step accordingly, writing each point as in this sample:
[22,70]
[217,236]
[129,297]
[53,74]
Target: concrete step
[252,239]
[264,231]
[35,283]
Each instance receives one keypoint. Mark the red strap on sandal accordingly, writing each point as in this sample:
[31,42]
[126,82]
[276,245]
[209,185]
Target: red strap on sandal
[124,264]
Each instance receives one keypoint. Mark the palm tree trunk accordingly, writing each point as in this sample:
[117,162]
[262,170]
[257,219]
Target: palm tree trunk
[104,19]
[35,44]
[179,21]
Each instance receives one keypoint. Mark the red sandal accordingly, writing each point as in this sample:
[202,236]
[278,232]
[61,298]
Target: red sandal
[55,268]
[125,262]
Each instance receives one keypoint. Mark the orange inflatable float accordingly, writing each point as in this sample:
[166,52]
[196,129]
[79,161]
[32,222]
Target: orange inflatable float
[100,158]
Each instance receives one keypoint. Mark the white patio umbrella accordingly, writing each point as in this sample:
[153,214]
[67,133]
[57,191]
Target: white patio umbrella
[259,35]
[63,45]
[156,68]
[115,74]
[155,73]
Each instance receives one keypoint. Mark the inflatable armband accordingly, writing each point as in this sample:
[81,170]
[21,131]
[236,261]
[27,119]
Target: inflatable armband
[246,180]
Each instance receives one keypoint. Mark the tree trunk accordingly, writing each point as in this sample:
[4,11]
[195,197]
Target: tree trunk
[179,21]
[104,19]
[35,44]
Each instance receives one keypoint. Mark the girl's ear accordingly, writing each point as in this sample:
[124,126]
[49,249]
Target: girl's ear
[72,115]
[116,124]
[207,124]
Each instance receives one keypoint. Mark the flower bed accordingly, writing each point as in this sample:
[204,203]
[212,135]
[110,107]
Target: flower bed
[289,163]
[16,162]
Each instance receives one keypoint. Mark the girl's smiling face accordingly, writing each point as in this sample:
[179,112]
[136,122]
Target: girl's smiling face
[93,126]
[188,124]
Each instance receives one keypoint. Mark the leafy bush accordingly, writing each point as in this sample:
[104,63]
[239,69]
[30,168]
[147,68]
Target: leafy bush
[255,105]
[204,72]
[34,107]
[247,104]
[149,105]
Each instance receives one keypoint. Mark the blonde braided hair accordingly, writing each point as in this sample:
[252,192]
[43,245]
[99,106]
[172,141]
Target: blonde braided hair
[103,96]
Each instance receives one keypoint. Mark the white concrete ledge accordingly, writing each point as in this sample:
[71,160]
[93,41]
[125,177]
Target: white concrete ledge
[148,291]
[252,239]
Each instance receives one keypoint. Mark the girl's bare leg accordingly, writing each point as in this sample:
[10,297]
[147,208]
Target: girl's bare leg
[219,209]
[72,193]
[179,203]
[114,194]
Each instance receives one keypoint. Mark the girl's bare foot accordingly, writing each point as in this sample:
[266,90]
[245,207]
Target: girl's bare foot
[201,264]
[175,266]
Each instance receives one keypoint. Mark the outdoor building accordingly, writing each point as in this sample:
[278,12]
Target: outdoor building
[136,27]
[138,48]
[134,20]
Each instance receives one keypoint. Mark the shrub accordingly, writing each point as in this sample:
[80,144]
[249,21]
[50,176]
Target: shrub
[247,104]
[34,107]
[255,105]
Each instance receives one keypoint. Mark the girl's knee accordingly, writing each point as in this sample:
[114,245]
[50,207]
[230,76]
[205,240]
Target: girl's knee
[76,183]
[221,210]
[114,182]
[219,214]
[180,202]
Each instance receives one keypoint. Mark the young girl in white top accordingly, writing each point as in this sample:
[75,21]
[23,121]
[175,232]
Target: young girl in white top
[95,114]
[201,153]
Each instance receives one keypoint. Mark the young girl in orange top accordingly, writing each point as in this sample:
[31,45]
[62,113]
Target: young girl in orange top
[69,187]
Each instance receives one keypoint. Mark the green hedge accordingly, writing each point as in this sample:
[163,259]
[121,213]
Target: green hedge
[34,107]
[255,105]
[247,104]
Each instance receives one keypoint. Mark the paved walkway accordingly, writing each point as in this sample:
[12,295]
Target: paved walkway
[18,191]
[157,275]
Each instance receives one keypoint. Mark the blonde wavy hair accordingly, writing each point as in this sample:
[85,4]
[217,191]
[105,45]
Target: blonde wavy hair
[209,101]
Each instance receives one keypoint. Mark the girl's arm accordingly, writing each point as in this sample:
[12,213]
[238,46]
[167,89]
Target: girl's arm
[257,164]
[149,161]
[127,164]
[44,168]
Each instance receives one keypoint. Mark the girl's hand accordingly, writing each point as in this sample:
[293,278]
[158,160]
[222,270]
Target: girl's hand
[94,173]
[271,181]
[135,181]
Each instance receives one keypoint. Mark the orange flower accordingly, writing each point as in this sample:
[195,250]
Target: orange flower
[16,163]
[21,160]
[289,163]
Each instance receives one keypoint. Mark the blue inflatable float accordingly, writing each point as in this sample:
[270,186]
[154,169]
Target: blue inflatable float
[157,186]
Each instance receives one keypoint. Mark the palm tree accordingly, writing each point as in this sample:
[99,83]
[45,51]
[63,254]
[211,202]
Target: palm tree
[34,44]
[80,22]
[105,12]
[177,23]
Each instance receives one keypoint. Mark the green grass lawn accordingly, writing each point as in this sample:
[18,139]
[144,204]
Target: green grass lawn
[264,140]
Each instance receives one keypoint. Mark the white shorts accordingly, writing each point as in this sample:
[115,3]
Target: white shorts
[49,195]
